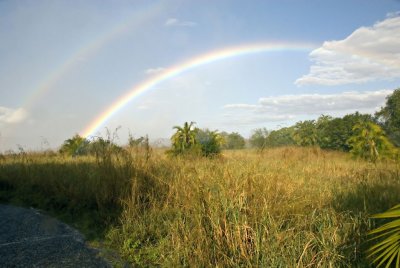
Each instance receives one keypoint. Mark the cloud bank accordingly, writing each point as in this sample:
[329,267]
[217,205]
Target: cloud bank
[12,116]
[281,108]
[368,54]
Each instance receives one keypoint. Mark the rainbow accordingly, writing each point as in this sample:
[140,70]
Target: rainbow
[207,58]
[132,23]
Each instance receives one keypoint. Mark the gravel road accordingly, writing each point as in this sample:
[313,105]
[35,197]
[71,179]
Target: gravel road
[31,239]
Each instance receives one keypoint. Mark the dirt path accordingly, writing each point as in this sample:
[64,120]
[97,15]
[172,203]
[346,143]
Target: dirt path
[30,239]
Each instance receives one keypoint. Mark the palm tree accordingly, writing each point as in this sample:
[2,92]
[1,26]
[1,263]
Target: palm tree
[370,142]
[184,137]
[76,145]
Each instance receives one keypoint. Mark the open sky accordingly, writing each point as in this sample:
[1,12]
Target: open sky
[68,67]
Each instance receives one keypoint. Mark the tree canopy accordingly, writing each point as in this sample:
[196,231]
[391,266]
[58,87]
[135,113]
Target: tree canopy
[191,140]
[280,137]
[233,141]
[74,146]
[210,141]
[369,142]
[259,138]
[184,138]
[389,117]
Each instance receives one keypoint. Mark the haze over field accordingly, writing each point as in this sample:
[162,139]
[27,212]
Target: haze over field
[65,63]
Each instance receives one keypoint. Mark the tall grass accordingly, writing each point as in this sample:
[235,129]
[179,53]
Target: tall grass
[84,191]
[280,208]
[284,207]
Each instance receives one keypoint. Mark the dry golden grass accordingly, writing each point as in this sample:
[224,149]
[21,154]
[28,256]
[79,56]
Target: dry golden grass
[283,207]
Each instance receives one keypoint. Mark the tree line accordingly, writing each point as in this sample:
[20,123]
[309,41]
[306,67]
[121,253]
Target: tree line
[368,136]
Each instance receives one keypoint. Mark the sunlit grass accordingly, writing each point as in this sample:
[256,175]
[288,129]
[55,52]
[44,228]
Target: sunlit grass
[284,207]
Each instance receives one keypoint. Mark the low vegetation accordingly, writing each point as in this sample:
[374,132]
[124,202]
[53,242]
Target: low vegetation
[276,208]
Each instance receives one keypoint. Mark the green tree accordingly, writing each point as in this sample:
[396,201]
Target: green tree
[233,140]
[280,137]
[210,141]
[184,138]
[389,116]
[305,133]
[333,133]
[74,146]
[369,142]
[322,124]
[259,138]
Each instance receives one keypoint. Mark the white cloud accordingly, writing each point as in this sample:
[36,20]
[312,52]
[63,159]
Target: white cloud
[175,22]
[368,54]
[285,107]
[12,116]
[255,119]
[154,70]
[241,106]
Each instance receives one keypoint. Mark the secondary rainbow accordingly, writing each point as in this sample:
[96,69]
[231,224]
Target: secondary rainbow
[133,23]
[192,63]
[130,24]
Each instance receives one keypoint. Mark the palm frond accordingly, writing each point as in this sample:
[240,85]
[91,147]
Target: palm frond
[388,250]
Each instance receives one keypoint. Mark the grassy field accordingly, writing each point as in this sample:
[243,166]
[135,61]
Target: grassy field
[284,207]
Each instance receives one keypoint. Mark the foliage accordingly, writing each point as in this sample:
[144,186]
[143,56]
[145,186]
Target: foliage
[233,141]
[74,146]
[334,133]
[280,137]
[184,139]
[327,132]
[305,133]
[132,142]
[369,142]
[322,125]
[103,147]
[349,121]
[389,116]
[210,142]
[387,250]
[189,140]
[258,138]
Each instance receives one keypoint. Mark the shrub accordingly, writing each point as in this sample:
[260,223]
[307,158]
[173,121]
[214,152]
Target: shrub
[210,142]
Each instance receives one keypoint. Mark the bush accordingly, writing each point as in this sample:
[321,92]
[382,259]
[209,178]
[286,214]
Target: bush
[77,145]
[210,142]
[233,141]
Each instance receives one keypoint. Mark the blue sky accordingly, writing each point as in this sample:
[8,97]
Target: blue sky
[64,62]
